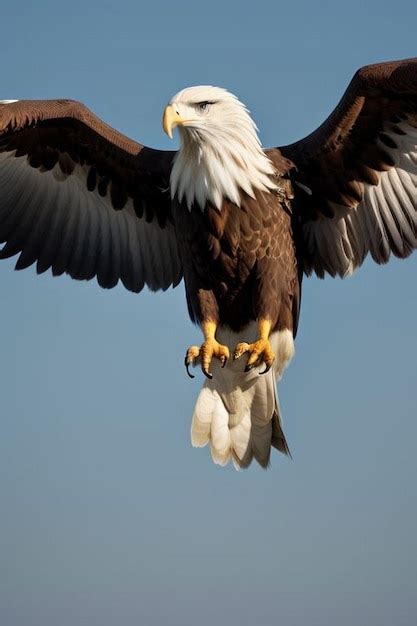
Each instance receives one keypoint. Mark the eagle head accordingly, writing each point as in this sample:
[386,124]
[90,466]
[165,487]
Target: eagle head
[220,155]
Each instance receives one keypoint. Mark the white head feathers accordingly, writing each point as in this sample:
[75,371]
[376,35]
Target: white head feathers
[220,153]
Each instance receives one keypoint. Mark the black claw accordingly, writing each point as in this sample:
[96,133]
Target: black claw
[187,365]
[208,374]
[224,361]
[249,367]
[267,368]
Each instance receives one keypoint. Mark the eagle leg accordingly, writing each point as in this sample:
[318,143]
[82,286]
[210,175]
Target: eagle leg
[209,348]
[260,351]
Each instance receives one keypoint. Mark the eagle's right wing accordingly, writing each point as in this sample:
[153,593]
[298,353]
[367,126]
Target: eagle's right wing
[79,197]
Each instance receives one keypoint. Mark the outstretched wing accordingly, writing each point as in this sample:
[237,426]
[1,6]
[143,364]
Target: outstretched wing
[357,173]
[79,197]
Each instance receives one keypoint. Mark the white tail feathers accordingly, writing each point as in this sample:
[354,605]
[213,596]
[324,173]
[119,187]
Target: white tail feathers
[238,413]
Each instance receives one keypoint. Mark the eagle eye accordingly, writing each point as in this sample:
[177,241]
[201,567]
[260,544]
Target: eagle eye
[203,107]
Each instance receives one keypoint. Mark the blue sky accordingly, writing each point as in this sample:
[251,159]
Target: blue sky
[108,516]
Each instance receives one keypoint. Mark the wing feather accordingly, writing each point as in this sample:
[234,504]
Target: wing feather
[361,168]
[69,188]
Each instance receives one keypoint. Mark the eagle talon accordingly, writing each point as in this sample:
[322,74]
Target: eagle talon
[267,368]
[208,374]
[240,350]
[191,357]
[209,349]
[259,352]
[187,364]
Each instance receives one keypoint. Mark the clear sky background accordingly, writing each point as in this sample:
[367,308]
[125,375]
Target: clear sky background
[108,516]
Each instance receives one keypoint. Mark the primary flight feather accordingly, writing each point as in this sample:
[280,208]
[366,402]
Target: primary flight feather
[239,223]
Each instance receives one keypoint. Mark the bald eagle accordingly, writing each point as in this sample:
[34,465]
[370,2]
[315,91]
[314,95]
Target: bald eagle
[240,224]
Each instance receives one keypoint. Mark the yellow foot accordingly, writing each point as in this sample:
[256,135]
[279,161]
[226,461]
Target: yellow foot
[209,349]
[259,352]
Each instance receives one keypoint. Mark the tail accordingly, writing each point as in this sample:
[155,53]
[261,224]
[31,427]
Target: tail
[238,413]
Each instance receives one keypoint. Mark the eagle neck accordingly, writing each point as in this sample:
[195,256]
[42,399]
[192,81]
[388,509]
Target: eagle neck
[216,165]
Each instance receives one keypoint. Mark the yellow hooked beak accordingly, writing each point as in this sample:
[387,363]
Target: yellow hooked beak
[170,120]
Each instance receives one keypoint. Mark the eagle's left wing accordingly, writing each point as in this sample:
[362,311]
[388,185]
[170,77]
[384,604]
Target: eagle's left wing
[356,175]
